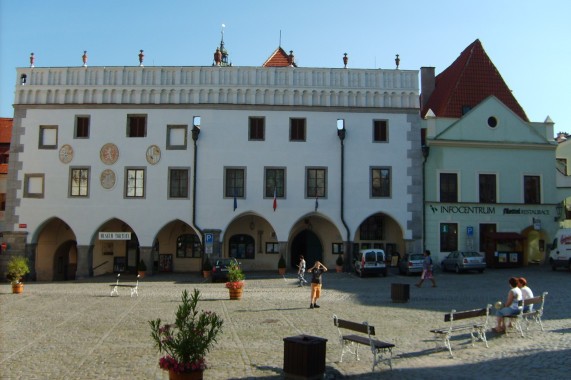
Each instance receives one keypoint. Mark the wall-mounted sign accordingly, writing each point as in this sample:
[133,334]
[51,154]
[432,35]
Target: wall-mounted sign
[22,225]
[114,236]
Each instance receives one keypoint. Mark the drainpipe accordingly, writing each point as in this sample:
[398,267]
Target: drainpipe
[341,133]
[195,132]
[425,152]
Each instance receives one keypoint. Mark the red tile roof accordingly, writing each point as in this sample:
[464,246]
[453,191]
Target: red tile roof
[279,58]
[6,129]
[470,79]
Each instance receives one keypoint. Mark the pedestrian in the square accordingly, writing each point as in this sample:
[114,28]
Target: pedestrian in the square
[316,271]
[426,270]
[301,271]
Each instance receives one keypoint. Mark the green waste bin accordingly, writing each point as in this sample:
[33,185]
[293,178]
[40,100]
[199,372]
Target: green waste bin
[400,293]
[304,357]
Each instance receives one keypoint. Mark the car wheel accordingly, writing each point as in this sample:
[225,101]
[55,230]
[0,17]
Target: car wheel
[457,269]
[481,270]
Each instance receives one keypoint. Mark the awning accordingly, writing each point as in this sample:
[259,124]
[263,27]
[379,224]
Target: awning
[505,236]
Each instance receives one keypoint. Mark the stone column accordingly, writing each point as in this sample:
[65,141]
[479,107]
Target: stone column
[145,254]
[84,262]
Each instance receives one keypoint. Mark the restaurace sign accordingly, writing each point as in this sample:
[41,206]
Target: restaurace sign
[485,210]
[114,236]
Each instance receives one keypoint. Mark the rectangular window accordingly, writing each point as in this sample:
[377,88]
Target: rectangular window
[380,131]
[81,127]
[448,237]
[371,229]
[79,182]
[337,248]
[380,182]
[272,248]
[33,185]
[234,179]
[178,183]
[176,137]
[487,188]
[531,189]
[275,180]
[2,201]
[449,187]
[188,246]
[136,125]
[256,128]
[296,129]
[135,183]
[316,183]
[48,137]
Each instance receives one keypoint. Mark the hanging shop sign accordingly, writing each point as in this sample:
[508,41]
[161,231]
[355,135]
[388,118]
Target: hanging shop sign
[114,236]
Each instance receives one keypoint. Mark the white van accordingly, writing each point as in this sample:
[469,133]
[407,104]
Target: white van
[561,250]
[370,261]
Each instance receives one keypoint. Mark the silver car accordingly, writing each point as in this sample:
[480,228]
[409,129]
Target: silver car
[464,261]
[411,263]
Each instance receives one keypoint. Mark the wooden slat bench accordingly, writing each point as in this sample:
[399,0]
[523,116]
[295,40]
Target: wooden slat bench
[533,315]
[474,322]
[350,343]
[116,286]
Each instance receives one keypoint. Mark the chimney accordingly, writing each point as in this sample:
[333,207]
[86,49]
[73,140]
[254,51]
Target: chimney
[426,84]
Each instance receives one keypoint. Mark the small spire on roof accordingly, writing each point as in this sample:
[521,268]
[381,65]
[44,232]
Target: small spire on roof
[141,57]
[397,61]
[221,54]
[345,60]
[84,58]
[32,59]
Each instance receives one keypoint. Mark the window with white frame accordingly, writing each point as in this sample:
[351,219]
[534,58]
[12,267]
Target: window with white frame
[176,137]
[134,182]
[34,185]
[79,182]
[48,137]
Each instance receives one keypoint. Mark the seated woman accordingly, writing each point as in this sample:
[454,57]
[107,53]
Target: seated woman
[512,305]
[525,292]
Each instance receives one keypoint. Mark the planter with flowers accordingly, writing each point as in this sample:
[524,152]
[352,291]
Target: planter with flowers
[186,341]
[235,282]
[16,269]
[339,263]
[281,265]
[142,269]
[206,267]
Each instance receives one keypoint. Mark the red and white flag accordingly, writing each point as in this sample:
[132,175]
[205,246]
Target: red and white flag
[275,199]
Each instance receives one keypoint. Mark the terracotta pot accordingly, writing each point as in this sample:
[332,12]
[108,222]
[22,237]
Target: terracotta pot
[206,273]
[281,271]
[339,269]
[235,294]
[17,288]
[142,273]
[196,375]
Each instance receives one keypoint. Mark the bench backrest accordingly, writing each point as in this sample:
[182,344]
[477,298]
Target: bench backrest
[456,316]
[364,327]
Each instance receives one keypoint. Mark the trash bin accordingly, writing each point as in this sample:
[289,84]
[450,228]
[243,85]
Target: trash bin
[304,357]
[400,292]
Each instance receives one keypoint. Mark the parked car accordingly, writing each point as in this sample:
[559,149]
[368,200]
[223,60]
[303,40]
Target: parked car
[411,263]
[464,261]
[220,270]
[370,261]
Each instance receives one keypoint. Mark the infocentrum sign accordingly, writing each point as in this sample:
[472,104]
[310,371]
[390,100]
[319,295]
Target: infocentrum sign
[114,236]
[486,210]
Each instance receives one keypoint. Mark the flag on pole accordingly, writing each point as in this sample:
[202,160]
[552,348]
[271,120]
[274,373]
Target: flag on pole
[235,200]
[275,199]
[316,202]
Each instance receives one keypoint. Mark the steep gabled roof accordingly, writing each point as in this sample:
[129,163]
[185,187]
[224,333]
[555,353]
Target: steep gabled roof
[279,58]
[470,79]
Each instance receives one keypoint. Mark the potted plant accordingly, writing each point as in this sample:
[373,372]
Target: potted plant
[235,282]
[206,267]
[16,269]
[142,269]
[282,265]
[339,263]
[186,341]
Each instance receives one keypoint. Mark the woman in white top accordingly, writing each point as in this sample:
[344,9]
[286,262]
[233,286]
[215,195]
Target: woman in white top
[512,304]
[525,292]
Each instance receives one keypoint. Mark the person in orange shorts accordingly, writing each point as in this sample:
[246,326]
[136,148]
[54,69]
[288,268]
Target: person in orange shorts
[316,271]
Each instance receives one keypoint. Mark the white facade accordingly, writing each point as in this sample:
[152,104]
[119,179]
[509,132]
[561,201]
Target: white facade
[42,216]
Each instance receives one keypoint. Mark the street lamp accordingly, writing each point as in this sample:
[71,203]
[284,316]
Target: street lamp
[341,134]
[341,129]
[195,128]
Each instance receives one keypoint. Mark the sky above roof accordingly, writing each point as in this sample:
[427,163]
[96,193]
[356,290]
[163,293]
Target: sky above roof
[528,42]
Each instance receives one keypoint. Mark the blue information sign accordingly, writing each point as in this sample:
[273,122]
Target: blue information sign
[470,231]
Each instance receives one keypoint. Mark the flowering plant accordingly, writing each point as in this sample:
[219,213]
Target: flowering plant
[189,338]
[235,275]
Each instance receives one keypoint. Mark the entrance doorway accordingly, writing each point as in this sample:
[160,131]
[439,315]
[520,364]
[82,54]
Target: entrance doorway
[65,261]
[306,243]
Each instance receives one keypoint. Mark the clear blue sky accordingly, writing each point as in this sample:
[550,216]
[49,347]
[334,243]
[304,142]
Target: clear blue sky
[528,40]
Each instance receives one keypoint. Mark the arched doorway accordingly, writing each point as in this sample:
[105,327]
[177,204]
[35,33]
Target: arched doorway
[65,261]
[306,243]
[241,246]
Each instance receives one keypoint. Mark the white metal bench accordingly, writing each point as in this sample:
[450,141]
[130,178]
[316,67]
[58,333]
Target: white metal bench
[134,288]
[477,326]
[534,315]
[350,343]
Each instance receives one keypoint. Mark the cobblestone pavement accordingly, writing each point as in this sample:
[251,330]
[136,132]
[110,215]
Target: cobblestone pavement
[71,330]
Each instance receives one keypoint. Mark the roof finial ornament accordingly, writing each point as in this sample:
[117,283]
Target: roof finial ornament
[291,58]
[397,61]
[345,59]
[32,59]
[84,58]
[141,57]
